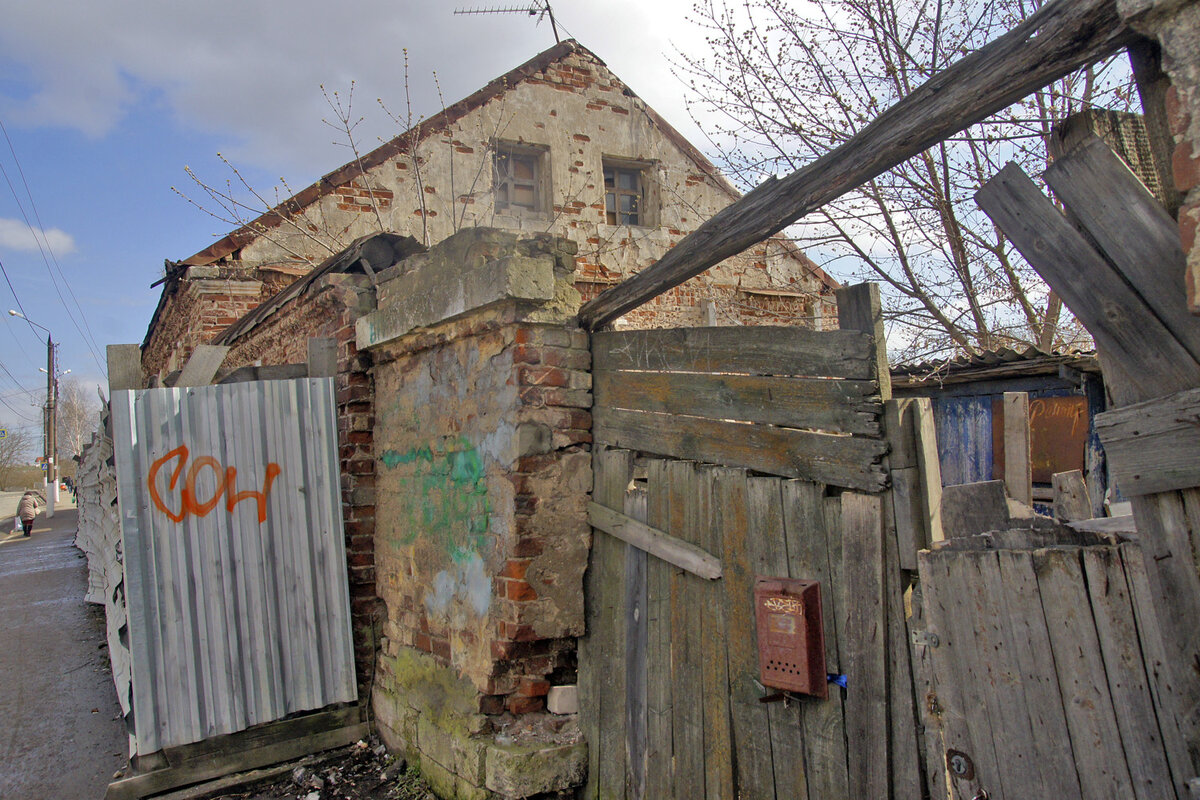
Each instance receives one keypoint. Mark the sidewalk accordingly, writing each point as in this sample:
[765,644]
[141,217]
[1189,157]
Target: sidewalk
[62,735]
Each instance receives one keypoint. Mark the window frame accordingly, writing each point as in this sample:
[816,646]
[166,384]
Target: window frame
[645,194]
[540,182]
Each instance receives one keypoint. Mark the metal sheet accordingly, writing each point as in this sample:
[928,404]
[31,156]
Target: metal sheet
[235,567]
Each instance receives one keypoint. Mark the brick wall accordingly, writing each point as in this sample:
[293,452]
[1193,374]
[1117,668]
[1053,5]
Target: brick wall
[483,468]
[1175,25]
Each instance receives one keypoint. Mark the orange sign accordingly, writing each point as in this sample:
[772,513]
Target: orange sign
[189,502]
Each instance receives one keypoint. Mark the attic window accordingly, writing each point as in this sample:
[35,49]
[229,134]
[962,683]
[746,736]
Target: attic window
[625,193]
[520,178]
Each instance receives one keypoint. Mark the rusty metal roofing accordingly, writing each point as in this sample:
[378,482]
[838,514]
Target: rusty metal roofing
[993,363]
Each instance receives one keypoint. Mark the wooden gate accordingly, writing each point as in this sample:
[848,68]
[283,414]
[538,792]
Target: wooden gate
[1048,671]
[723,455]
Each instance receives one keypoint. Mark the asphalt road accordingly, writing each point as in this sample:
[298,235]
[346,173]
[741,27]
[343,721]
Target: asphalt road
[61,736]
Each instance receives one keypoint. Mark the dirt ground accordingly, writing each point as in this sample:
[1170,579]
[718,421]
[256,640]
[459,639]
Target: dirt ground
[364,771]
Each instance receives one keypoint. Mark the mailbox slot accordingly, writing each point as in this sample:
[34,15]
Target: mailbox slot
[791,637]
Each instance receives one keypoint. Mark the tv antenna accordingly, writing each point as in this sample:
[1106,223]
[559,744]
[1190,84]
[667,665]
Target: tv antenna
[537,8]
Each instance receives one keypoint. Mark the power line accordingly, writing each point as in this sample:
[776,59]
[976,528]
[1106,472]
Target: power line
[90,343]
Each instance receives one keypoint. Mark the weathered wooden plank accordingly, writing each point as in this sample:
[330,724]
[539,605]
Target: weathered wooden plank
[824,724]
[602,655]
[907,497]
[973,508]
[753,350]
[1108,200]
[1159,673]
[1007,709]
[850,461]
[1091,720]
[933,764]
[782,748]
[1037,682]
[1018,475]
[159,781]
[1120,649]
[925,433]
[902,715]
[1154,446]
[124,367]
[1167,533]
[714,665]
[860,309]
[687,731]
[866,641]
[322,357]
[970,654]
[1071,500]
[749,717]
[635,655]
[1052,42]
[838,406]
[1100,298]
[202,366]
[678,552]
[659,757]
[948,704]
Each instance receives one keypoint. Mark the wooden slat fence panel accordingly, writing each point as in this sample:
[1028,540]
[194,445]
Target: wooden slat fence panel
[783,401]
[758,350]
[1042,676]
[692,722]
[837,406]
[851,461]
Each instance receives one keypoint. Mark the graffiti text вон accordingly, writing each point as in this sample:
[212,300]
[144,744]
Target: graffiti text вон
[226,484]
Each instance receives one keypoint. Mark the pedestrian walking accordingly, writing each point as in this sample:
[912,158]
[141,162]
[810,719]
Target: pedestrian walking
[28,507]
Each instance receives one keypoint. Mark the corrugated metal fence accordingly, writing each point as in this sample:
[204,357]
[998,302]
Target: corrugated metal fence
[234,556]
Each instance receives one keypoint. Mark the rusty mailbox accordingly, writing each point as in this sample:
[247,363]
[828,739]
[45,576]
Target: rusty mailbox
[791,637]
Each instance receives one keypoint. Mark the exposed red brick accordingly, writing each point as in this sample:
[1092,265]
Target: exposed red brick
[524,705]
[533,687]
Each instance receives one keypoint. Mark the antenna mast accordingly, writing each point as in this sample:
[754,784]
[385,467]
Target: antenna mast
[537,8]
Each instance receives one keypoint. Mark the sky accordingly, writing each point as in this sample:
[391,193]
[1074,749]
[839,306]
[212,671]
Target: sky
[104,104]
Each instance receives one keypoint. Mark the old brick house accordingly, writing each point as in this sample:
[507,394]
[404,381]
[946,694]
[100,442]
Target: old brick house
[558,145]
[463,386]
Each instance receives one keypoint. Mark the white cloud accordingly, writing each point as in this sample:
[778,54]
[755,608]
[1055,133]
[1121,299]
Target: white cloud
[250,71]
[16,235]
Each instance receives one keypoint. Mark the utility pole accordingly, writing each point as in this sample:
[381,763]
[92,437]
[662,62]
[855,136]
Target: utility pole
[51,426]
[50,446]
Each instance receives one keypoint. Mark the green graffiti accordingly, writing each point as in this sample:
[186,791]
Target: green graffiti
[442,496]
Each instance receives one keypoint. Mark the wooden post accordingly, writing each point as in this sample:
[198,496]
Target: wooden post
[1018,478]
[1071,501]
[124,367]
[322,357]
[202,367]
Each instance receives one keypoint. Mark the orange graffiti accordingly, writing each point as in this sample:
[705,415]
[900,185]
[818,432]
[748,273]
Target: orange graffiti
[226,485]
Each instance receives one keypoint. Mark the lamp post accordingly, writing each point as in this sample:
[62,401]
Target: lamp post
[51,443]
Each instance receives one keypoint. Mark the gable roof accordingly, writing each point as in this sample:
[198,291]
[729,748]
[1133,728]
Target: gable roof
[406,140]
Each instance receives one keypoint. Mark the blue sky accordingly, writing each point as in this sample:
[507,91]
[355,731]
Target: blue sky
[104,104]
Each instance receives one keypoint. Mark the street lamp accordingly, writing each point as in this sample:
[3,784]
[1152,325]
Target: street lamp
[51,446]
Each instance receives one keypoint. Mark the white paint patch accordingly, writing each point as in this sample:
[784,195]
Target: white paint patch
[469,585]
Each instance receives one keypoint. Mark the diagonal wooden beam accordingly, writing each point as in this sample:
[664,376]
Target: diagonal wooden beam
[1058,39]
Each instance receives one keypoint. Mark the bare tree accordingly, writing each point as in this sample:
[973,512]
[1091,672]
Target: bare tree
[788,80]
[15,451]
[78,414]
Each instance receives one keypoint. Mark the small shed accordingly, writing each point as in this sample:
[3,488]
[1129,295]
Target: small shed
[1066,392]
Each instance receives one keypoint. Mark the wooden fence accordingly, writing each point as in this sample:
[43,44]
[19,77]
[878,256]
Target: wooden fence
[763,455]
[1048,673]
